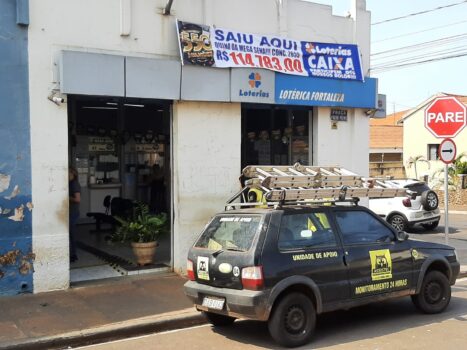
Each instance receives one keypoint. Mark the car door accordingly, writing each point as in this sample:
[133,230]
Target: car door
[377,261]
[309,246]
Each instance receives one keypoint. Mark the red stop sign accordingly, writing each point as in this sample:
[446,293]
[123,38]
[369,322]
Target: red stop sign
[445,117]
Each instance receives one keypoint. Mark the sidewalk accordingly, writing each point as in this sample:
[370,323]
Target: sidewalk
[97,312]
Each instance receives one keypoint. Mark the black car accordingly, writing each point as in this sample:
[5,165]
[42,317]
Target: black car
[286,265]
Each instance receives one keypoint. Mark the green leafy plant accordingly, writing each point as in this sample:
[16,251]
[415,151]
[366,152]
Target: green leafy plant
[412,161]
[142,226]
[457,167]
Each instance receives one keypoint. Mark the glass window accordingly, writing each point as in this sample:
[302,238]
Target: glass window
[230,232]
[273,135]
[419,188]
[433,152]
[361,227]
[306,231]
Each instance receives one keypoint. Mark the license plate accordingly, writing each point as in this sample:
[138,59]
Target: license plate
[213,303]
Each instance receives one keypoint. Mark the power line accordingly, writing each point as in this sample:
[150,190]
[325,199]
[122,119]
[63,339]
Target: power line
[436,53]
[447,39]
[421,52]
[421,58]
[404,65]
[417,32]
[419,13]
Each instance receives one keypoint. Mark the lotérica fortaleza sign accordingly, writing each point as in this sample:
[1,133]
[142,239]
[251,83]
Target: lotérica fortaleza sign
[217,47]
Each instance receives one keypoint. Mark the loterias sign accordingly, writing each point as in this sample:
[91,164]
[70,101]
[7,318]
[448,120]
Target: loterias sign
[218,47]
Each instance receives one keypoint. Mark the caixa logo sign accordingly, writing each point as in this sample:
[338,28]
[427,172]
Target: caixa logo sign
[254,82]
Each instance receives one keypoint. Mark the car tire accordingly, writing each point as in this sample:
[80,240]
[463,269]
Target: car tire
[429,200]
[431,226]
[293,320]
[218,320]
[399,222]
[434,295]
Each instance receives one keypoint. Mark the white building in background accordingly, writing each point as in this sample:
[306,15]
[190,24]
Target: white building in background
[117,66]
[420,142]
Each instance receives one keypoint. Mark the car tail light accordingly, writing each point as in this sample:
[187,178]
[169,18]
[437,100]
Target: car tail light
[189,270]
[252,277]
[407,202]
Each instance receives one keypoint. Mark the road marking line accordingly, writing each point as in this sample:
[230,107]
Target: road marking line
[184,329]
[141,337]
[461,279]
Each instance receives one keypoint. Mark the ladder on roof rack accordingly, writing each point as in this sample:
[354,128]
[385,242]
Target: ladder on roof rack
[299,184]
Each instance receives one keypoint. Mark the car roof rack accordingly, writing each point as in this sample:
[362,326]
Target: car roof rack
[306,185]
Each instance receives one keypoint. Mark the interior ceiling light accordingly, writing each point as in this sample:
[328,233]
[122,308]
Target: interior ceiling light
[131,105]
[97,107]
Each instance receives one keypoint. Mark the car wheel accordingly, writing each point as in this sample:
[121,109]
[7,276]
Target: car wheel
[434,295]
[293,320]
[398,222]
[218,320]
[431,226]
[429,200]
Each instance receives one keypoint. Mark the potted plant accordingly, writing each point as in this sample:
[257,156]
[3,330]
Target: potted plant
[142,229]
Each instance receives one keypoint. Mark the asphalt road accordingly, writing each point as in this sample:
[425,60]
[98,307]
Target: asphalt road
[384,326]
[457,234]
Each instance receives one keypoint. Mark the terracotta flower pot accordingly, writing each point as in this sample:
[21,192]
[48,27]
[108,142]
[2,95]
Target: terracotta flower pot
[144,252]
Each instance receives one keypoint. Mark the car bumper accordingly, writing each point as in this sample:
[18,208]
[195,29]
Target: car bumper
[238,303]
[424,217]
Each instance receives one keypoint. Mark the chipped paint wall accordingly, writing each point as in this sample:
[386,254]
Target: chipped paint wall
[16,257]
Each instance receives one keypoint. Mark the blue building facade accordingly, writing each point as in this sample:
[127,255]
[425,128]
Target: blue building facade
[16,257]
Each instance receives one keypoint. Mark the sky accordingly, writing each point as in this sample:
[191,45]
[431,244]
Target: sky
[444,33]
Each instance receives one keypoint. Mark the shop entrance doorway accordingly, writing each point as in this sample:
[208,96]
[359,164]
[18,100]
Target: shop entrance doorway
[275,135]
[120,149]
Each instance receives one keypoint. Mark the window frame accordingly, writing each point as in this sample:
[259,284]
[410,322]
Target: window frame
[429,146]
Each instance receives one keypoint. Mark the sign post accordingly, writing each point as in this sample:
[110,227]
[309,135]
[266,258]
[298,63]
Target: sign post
[446,117]
[447,153]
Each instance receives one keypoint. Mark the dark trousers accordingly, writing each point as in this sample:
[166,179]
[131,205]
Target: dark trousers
[74,216]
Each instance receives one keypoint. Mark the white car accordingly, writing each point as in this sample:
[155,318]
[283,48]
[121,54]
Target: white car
[404,212]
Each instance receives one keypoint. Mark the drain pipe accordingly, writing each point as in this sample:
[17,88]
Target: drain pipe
[167,8]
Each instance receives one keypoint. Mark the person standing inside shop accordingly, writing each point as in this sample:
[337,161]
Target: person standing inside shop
[75,198]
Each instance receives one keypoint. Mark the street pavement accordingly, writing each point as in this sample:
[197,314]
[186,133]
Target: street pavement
[388,325]
[457,236]
[121,308]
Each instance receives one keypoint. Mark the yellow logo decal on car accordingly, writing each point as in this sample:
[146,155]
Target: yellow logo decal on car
[381,264]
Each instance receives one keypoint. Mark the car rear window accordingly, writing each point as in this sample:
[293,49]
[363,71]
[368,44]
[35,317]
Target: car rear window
[419,188]
[230,232]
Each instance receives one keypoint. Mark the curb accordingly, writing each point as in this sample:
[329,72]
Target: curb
[131,328]
[455,212]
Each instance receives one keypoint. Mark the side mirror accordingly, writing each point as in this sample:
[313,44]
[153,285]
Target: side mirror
[402,236]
